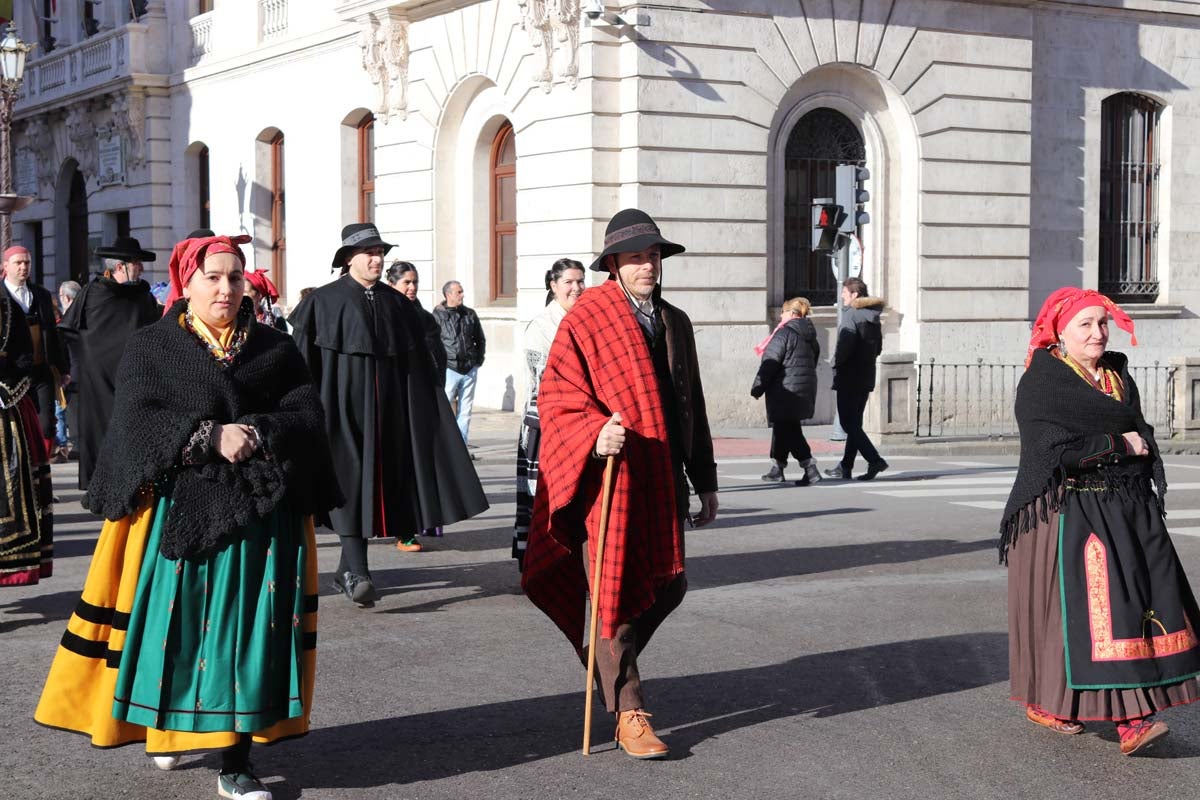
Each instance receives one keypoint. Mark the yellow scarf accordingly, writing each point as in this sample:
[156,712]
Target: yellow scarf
[219,340]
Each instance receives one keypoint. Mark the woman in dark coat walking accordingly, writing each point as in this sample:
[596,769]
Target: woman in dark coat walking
[788,377]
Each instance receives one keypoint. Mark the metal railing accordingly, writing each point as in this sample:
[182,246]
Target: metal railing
[976,400]
[966,400]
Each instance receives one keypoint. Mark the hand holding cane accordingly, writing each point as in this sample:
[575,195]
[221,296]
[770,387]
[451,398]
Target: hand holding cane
[605,504]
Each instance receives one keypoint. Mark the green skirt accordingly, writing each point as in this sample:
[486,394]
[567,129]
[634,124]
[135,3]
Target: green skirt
[217,644]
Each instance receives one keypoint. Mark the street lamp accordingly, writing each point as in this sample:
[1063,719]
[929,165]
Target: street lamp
[12,70]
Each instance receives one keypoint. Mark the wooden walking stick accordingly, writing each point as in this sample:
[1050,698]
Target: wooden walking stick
[605,503]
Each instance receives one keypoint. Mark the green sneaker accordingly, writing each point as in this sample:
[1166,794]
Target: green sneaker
[241,786]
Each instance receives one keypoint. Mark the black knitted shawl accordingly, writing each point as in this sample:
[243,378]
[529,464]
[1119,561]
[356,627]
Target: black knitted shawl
[167,384]
[1055,408]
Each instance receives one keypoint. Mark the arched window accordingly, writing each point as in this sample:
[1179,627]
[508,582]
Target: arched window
[820,140]
[1129,172]
[278,233]
[504,215]
[203,195]
[366,169]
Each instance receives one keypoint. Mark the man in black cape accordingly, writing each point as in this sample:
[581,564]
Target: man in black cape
[399,456]
[95,328]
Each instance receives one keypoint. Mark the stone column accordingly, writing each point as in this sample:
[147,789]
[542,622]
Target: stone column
[1187,397]
[892,407]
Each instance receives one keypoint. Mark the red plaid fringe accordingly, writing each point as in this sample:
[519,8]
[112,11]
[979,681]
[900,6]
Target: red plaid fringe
[600,364]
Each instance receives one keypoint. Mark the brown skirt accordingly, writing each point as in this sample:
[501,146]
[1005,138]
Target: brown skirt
[1036,658]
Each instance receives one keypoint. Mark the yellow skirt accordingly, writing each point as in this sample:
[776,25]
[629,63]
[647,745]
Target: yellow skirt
[79,690]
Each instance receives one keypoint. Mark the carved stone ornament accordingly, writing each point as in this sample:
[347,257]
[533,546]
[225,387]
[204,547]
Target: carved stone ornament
[384,43]
[129,120]
[545,20]
[81,132]
[39,140]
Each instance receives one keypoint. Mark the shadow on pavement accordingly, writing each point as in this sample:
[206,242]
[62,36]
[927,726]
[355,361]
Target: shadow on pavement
[49,608]
[479,581]
[733,568]
[690,709]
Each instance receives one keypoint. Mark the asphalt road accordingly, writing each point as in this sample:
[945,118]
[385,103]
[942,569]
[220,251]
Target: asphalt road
[841,641]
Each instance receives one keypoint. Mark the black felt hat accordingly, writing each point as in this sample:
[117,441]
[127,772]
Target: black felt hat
[358,236]
[126,248]
[632,230]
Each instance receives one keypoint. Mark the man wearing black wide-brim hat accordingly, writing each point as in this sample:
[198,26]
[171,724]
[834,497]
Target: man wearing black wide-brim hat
[401,462]
[621,380]
[96,327]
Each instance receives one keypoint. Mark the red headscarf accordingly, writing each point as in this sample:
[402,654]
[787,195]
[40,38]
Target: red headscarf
[262,284]
[1062,306]
[188,256]
[12,251]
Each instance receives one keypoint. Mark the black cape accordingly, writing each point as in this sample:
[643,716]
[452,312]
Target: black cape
[95,329]
[400,459]
[168,384]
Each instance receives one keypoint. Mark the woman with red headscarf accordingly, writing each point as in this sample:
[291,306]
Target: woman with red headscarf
[1102,622]
[197,625]
[263,294]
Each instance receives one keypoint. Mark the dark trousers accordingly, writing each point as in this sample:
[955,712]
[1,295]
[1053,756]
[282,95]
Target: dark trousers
[354,556]
[43,398]
[616,658]
[788,437]
[850,406]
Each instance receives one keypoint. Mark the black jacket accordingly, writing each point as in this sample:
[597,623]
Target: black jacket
[168,386]
[788,373]
[433,340]
[462,337]
[859,343]
[95,329]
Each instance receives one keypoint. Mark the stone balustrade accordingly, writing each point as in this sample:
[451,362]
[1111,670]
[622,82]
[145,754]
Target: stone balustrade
[89,64]
[201,36]
[273,17]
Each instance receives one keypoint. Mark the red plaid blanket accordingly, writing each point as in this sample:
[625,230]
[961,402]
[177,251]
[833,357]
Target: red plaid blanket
[600,364]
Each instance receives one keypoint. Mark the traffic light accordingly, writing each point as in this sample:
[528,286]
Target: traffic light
[849,181]
[826,216]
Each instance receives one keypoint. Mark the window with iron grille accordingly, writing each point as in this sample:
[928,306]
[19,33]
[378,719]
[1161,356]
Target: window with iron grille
[820,140]
[1129,173]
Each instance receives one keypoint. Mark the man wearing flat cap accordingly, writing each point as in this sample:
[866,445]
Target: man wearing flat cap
[96,327]
[621,380]
[400,460]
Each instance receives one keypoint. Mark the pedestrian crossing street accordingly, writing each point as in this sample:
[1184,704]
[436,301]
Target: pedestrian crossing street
[982,485]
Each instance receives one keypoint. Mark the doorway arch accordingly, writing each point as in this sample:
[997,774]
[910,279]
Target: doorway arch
[72,256]
[820,140]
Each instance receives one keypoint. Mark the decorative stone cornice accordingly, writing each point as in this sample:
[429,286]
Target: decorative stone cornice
[384,43]
[544,21]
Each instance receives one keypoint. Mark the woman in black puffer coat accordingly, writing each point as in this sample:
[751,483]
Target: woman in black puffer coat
[788,377]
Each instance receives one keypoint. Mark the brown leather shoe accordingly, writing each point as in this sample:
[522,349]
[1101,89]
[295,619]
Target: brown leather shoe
[1039,717]
[1140,734]
[636,737]
[409,547]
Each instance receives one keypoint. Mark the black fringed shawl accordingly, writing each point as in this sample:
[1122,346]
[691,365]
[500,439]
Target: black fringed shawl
[168,384]
[1055,408]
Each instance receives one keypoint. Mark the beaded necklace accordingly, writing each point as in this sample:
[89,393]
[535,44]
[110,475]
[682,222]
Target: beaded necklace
[222,357]
[1108,381]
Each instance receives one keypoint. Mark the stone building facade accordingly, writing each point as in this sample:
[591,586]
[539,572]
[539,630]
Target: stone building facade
[1013,148]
